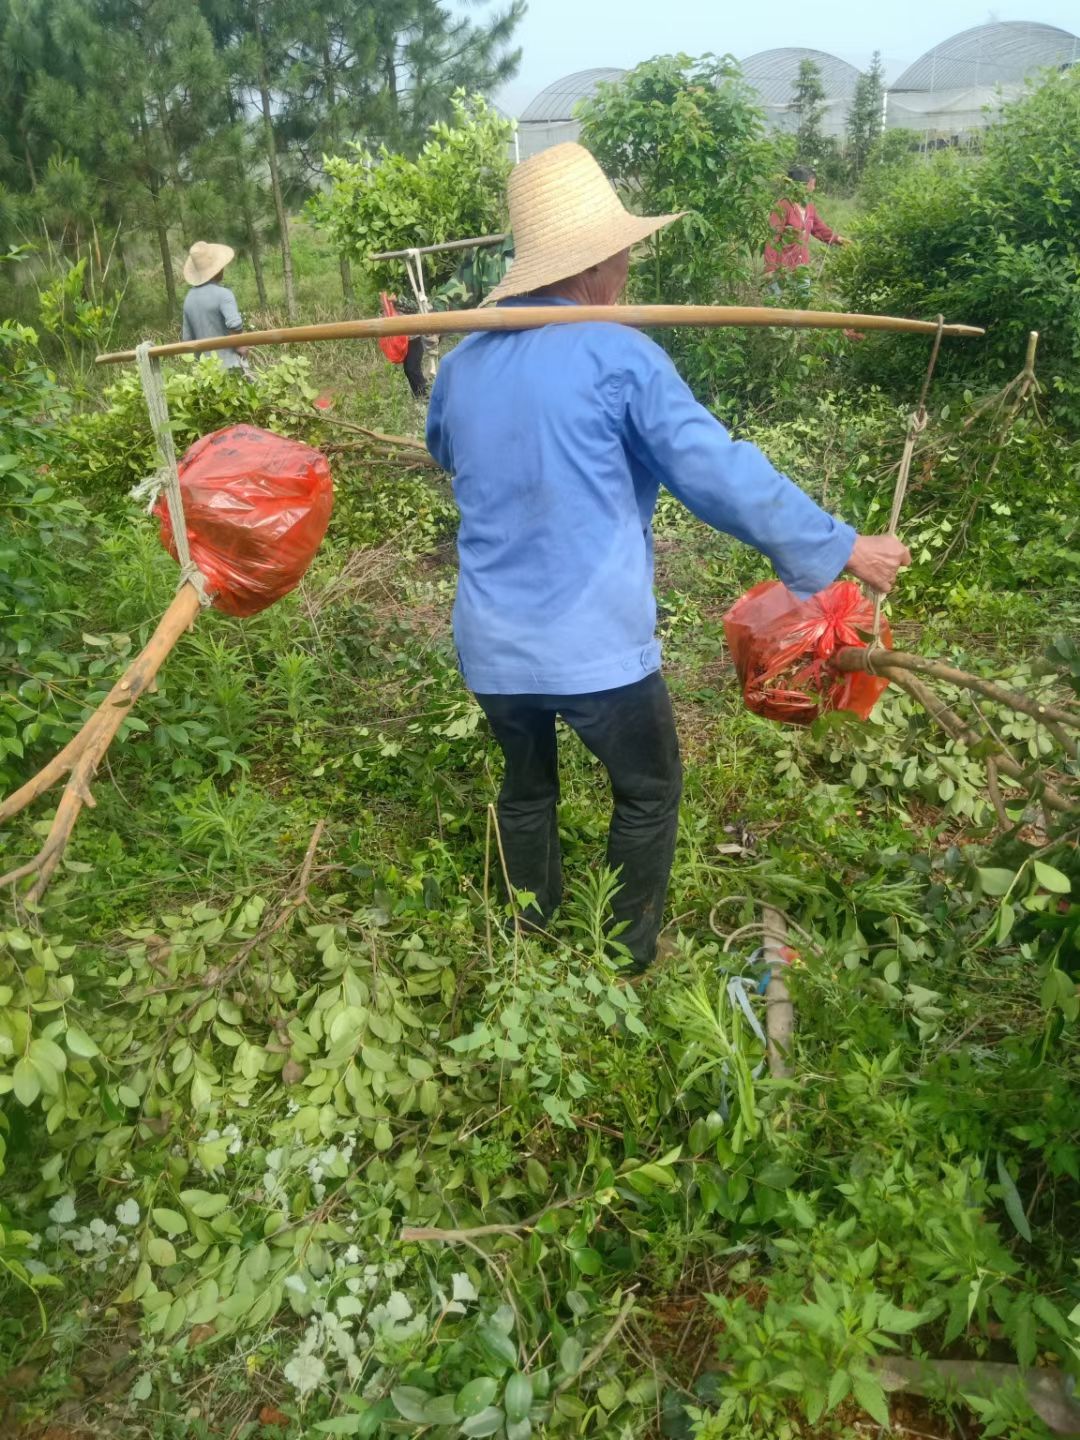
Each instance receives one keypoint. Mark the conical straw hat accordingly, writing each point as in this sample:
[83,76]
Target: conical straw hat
[565,217]
[205,261]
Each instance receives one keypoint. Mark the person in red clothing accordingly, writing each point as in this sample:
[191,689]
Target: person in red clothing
[792,225]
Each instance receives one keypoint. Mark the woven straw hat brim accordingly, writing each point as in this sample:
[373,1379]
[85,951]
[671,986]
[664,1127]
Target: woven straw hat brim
[566,255]
[205,261]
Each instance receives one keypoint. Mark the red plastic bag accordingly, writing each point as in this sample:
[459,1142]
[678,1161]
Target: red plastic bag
[257,506]
[781,648]
[394,347]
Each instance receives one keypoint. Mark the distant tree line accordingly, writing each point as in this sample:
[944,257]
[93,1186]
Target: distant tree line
[863,125]
[180,119]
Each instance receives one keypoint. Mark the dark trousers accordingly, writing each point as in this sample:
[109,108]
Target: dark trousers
[414,368]
[632,731]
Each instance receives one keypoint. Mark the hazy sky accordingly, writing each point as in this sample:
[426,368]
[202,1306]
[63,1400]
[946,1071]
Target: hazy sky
[560,36]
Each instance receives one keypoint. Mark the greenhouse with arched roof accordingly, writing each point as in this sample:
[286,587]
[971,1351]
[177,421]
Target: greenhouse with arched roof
[549,118]
[773,74]
[956,88]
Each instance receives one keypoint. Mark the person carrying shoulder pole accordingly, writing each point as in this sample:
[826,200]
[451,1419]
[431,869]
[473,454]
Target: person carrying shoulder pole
[210,307]
[558,440]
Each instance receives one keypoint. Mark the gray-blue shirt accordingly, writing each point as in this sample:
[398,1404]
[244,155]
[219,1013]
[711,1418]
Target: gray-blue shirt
[211,309]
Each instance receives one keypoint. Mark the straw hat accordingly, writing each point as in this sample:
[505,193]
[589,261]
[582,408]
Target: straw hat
[205,261]
[565,217]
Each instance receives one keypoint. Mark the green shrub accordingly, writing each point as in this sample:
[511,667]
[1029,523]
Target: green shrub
[108,451]
[454,188]
[686,134]
[992,241]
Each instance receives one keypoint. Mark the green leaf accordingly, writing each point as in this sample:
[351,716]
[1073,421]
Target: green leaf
[160,1250]
[587,1260]
[411,1403]
[27,1084]
[869,1394]
[497,1343]
[171,1221]
[839,1386]
[518,1397]
[1052,1317]
[995,882]
[1051,879]
[1011,1196]
[896,1321]
[571,1355]
[384,1136]
[343,1425]
[488,1422]
[80,1044]
[1021,1330]
[475,1397]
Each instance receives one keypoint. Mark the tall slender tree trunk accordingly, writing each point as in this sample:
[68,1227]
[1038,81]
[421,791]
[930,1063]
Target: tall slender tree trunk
[335,142]
[346,278]
[166,260]
[254,244]
[279,201]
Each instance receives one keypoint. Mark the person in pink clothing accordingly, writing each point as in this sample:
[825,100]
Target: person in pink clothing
[793,224]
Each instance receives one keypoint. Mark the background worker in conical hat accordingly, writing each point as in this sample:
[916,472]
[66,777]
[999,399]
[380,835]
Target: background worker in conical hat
[209,307]
[558,441]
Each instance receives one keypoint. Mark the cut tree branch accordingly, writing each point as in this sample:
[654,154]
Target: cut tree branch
[82,755]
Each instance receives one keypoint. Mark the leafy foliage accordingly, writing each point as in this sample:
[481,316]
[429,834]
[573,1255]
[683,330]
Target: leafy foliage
[685,134]
[110,449]
[990,240]
[453,189]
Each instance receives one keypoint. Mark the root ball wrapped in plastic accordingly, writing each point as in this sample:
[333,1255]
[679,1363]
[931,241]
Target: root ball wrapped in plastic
[257,506]
[782,646]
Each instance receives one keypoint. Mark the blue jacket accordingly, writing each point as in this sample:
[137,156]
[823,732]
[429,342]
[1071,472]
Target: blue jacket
[558,441]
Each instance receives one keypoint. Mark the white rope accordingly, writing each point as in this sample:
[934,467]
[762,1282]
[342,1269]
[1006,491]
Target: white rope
[429,343]
[916,426]
[168,477]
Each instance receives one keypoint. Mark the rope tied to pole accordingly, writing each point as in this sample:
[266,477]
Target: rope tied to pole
[917,422]
[167,478]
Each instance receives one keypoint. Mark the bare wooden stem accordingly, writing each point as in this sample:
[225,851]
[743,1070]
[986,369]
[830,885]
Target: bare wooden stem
[779,1011]
[80,758]
[877,661]
[955,726]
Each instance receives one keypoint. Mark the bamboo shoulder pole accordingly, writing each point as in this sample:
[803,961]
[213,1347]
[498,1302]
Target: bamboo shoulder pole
[534,317]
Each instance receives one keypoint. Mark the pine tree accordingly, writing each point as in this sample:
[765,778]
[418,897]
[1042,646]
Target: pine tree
[808,103]
[864,120]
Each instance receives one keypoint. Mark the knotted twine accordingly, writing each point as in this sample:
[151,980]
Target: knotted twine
[166,478]
[916,426]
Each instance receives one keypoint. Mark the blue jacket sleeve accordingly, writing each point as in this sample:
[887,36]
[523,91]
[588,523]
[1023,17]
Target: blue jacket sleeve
[438,441]
[230,312]
[727,483]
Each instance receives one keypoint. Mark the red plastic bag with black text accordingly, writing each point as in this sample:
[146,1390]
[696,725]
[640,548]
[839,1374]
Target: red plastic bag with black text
[394,347]
[256,506]
[781,647]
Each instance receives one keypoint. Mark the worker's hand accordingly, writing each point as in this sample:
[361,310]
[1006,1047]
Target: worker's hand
[242,351]
[875,559]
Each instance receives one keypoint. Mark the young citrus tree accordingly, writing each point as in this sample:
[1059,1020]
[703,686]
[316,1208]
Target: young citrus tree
[683,134]
[454,188]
